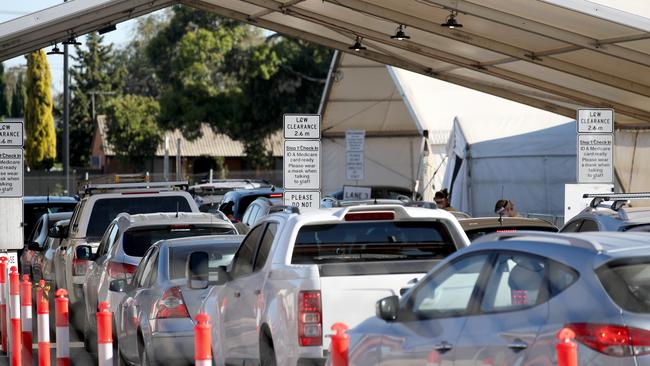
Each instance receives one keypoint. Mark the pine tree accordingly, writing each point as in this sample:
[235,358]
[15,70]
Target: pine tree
[18,97]
[95,71]
[4,101]
[40,144]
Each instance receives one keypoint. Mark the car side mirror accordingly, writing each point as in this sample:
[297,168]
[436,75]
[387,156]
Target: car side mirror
[121,285]
[34,246]
[84,252]
[57,232]
[387,308]
[198,270]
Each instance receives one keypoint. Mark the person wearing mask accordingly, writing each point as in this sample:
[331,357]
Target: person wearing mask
[442,200]
[505,208]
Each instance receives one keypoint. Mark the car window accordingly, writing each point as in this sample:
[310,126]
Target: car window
[572,226]
[105,209]
[220,254]
[76,216]
[136,241]
[473,234]
[255,210]
[346,242]
[516,281]
[588,225]
[639,228]
[247,215]
[137,276]
[243,262]
[627,282]
[103,244]
[265,245]
[37,230]
[151,265]
[448,292]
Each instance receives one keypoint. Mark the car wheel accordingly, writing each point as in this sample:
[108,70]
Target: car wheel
[267,351]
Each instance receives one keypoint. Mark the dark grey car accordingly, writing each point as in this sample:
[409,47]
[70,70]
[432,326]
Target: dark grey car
[156,314]
[504,301]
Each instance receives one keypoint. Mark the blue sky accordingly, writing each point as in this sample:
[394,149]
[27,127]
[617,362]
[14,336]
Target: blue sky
[13,9]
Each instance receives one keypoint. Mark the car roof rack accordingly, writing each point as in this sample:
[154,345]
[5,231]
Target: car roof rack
[556,237]
[90,189]
[619,199]
[284,208]
[373,201]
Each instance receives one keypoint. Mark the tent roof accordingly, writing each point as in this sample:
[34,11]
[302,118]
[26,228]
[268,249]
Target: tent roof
[556,55]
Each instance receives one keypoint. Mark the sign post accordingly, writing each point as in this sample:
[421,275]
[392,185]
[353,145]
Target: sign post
[301,163]
[595,146]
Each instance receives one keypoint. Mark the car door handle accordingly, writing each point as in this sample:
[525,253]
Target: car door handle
[518,345]
[237,294]
[444,346]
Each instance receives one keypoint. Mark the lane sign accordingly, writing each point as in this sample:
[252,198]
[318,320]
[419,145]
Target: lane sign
[595,158]
[356,193]
[596,120]
[354,140]
[301,164]
[304,200]
[302,126]
[354,165]
[11,134]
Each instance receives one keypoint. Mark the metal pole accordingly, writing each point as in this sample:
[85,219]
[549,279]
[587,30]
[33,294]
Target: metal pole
[92,102]
[166,160]
[66,120]
[178,159]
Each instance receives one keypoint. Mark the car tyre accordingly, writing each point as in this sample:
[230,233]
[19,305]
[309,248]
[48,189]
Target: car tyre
[267,351]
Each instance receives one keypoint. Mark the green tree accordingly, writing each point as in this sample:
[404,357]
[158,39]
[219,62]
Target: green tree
[18,97]
[227,74]
[4,99]
[95,70]
[132,129]
[40,144]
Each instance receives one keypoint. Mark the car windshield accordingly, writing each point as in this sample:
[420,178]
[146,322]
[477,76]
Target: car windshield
[136,242]
[105,210]
[476,233]
[34,211]
[642,228]
[628,283]
[372,241]
[221,254]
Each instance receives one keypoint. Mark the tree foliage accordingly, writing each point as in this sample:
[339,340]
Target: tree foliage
[228,74]
[132,128]
[96,70]
[18,96]
[40,144]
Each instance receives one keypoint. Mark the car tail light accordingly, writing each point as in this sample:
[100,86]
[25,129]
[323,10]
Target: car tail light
[275,195]
[613,340]
[367,216]
[120,271]
[80,266]
[507,231]
[180,227]
[170,305]
[310,320]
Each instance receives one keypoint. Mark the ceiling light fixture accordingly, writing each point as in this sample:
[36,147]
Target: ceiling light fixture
[72,41]
[399,33]
[55,51]
[357,46]
[451,22]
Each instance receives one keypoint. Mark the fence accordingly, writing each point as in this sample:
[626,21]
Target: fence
[40,183]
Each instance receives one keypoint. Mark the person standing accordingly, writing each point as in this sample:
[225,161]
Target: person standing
[442,200]
[505,208]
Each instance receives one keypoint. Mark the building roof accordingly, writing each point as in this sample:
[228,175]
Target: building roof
[210,143]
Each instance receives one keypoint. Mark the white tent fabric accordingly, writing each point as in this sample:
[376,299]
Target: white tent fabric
[525,157]
[632,159]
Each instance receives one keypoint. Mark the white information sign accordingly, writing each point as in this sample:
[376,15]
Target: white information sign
[304,200]
[598,120]
[302,164]
[302,126]
[356,193]
[11,172]
[11,134]
[354,165]
[595,158]
[354,140]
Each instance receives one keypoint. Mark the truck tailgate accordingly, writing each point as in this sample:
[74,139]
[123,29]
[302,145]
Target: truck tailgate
[351,299]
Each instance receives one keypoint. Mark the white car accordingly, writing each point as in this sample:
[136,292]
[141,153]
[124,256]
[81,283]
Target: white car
[97,208]
[295,275]
[124,244]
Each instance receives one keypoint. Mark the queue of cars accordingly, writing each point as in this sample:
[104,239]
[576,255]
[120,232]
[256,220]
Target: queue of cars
[401,274]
